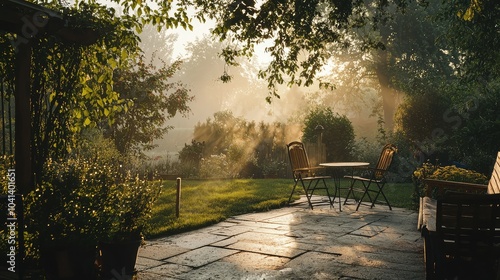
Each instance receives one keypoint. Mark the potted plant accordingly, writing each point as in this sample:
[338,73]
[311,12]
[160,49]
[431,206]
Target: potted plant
[134,199]
[65,215]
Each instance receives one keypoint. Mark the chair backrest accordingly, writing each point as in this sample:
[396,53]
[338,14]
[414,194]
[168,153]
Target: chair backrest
[494,184]
[468,225]
[297,155]
[385,160]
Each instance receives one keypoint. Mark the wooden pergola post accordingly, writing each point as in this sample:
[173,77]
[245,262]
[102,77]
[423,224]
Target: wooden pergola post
[23,120]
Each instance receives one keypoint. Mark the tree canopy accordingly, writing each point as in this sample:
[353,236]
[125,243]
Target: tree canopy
[301,31]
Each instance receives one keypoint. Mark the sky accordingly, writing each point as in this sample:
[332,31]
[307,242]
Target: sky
[243,96]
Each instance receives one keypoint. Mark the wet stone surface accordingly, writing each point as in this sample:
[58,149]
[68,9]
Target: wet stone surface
[293,243]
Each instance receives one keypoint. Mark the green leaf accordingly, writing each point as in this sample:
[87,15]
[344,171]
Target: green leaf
[112,62]
[86,122]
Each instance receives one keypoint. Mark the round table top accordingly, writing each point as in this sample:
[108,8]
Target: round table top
[345,164]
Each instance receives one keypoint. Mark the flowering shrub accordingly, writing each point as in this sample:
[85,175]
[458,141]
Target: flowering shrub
[447,173]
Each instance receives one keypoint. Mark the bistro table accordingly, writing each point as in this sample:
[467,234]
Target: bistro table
[337,168]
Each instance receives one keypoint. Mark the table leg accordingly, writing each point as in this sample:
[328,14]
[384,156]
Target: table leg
[337,175]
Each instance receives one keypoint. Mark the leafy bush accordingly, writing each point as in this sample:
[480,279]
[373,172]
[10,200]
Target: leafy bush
[190,158]
[73,203]
[215,166]
[274,168]
[133,200]
[338,133]
[228,136]
[83,202]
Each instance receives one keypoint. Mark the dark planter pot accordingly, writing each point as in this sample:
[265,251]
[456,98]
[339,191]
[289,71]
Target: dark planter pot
[69,263]
[117,259]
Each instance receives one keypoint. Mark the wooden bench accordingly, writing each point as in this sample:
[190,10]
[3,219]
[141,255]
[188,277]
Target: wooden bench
[461,228]
[466,240]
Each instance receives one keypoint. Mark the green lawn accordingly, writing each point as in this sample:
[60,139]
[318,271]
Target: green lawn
[205,202]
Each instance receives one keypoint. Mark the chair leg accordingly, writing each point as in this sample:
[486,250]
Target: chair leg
[306,190]
[365,193]
[328,194]
[381,192]
[291,194]
[325,187]
[309,190]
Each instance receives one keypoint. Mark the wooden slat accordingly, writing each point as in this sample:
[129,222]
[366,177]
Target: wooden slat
[494,183]
[469,226]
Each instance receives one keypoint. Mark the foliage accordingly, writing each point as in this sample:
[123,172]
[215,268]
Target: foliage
[89,197]
[73,204]
[458,125]
[416,62]
[190,158]
[133,202]
[424,121]
[472,28]
[93,146]
[153,100]
[216,166]
[228,135]
[477,124]
[367,151]
[72,80]
[448,173]
[274,168]
[338,133]
[300,30]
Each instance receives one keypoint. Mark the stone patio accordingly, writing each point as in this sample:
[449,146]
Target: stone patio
[293,243]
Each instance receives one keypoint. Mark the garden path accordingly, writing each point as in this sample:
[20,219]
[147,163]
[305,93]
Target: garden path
[293,243]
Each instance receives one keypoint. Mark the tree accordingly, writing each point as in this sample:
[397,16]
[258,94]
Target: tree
[412,61]
[338,133]
[153,100]
[420,120]
[72,84]
[472,28]
[301,31]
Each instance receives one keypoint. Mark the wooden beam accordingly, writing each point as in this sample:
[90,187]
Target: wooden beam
[25,179]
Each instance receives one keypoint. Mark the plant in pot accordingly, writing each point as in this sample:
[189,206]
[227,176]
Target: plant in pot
[67,216]
[133,203]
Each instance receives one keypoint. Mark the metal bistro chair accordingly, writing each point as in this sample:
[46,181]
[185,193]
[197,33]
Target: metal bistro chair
[302,172]
[375,176]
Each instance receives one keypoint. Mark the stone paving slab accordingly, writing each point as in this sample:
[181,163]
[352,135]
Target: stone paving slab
[293,243]
[201,256]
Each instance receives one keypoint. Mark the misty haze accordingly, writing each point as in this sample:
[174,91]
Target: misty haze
[245,94]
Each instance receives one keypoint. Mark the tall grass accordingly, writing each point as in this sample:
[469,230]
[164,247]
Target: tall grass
[205,202]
